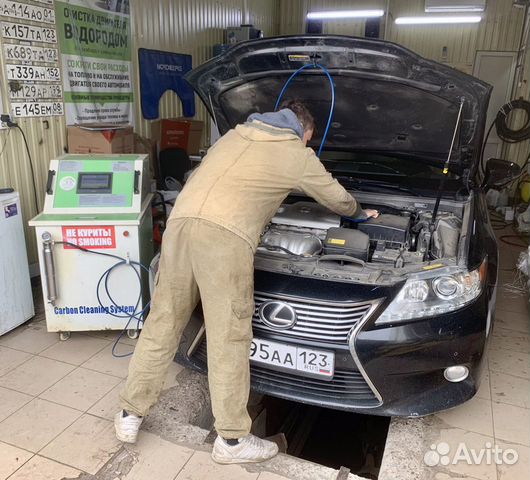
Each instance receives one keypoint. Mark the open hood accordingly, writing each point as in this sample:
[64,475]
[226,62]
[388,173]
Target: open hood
[388,99]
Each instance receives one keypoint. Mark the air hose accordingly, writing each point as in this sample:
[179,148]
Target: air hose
[332,88]
[506,133]
[136,315]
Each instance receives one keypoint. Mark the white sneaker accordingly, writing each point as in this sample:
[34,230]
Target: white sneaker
[250,449]
[127,427]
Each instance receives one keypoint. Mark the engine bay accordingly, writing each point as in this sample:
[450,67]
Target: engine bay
[397,238]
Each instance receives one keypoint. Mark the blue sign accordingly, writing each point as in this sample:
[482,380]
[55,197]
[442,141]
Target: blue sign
[160,72]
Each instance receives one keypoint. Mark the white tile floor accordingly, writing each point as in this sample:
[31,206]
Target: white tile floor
[499,414]
[57,400]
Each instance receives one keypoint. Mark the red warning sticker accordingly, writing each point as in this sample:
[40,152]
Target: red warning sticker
[90,237]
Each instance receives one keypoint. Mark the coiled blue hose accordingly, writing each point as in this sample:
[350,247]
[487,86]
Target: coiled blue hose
[332,87]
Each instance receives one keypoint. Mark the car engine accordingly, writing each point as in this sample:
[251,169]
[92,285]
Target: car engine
[397,238]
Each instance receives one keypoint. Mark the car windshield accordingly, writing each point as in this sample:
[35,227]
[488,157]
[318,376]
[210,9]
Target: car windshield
[373,169]
[355,163]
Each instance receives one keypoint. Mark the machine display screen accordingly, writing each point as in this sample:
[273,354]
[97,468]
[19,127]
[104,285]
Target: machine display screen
[94,183]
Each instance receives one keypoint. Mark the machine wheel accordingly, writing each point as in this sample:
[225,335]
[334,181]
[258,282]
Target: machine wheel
[133,333]
[63,336]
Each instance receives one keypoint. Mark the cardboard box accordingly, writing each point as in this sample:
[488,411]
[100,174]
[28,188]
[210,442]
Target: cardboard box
[97,138]
[147,146]
[179,132]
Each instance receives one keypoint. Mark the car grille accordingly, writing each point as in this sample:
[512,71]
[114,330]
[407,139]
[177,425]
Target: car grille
[347,388]
[323,321]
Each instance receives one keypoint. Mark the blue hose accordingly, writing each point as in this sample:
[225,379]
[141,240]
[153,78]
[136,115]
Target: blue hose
[357,220]
[332,108]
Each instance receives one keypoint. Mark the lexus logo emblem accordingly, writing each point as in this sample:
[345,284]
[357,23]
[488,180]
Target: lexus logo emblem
[277,315]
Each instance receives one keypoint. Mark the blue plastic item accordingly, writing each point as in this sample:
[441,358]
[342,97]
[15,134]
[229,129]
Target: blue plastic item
[357,220]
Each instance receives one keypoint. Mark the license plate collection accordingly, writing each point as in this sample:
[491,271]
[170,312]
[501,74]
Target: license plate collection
[281,356]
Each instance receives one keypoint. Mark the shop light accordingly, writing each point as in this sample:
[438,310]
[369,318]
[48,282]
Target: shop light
[454,6]
[434,19]
[442,9]
[345,14]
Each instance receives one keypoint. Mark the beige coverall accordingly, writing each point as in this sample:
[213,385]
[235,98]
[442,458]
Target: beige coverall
[208,253]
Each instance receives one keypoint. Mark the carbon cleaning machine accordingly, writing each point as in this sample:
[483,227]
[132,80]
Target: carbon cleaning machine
[94,238]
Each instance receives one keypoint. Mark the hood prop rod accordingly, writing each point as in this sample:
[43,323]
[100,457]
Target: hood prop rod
[445,170]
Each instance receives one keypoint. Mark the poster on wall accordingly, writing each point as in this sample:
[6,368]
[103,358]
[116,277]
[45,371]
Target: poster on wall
[95,44]
[161,71]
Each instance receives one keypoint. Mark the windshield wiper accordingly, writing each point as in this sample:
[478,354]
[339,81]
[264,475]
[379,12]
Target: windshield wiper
[375,185]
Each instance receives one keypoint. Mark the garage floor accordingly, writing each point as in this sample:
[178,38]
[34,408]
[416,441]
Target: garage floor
[57,400]
[498,415]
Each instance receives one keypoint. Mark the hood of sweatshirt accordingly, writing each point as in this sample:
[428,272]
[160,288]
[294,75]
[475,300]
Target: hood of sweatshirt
[284,118]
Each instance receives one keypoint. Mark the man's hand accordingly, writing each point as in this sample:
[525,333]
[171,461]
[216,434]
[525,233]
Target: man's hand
[371,213]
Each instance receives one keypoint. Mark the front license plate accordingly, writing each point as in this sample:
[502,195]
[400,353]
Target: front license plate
[307,361]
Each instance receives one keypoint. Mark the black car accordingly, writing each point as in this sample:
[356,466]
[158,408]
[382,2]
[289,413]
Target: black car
[390,316]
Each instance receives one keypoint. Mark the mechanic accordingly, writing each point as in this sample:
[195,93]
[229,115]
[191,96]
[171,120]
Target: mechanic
[208,254]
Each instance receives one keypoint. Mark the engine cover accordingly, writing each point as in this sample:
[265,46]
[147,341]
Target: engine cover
[288,241]
[306,215]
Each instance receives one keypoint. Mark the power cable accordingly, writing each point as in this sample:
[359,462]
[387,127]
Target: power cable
[32,169]
[5,142]
[7,120]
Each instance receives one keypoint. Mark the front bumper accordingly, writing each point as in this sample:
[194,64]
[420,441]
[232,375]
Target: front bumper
[395,370]
[406,363]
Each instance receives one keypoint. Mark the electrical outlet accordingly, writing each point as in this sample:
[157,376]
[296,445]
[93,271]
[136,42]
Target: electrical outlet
[5,118]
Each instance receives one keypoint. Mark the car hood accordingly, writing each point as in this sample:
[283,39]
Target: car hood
[388,99]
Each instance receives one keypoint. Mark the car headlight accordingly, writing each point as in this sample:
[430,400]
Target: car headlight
[434,293]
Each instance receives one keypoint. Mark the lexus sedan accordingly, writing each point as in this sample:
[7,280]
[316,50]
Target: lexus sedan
[390,316]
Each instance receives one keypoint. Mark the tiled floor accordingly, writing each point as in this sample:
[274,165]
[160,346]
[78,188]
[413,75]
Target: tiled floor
[57,400]
[499,414]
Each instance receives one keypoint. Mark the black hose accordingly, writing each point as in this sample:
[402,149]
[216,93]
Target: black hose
[514,244]
[482,167]
[504,131]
